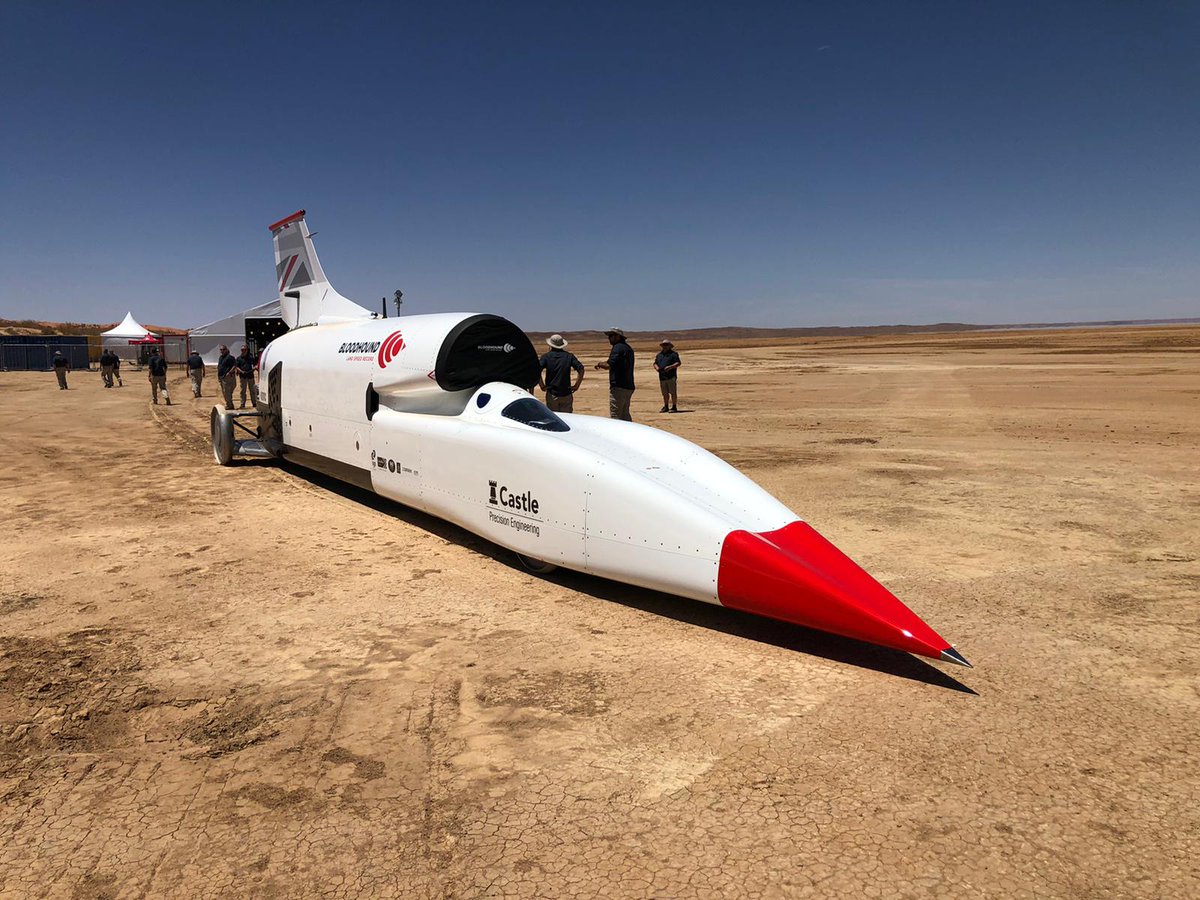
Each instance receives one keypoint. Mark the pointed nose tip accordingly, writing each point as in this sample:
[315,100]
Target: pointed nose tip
[951,655]
[797,576]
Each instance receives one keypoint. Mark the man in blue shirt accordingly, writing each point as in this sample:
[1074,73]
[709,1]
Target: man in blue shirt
[555,375]
[195,367]
[158,376]
[620,375]
[245,372]
[226,375]
[62,366]
[106,368]
[667,364]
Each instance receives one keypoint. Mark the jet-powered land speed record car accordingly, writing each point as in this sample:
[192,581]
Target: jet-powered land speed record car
[433,411]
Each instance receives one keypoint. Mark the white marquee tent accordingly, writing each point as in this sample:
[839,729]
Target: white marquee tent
[230,331]
[118,338]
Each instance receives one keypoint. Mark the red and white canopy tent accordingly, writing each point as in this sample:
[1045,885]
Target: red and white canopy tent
[128,338]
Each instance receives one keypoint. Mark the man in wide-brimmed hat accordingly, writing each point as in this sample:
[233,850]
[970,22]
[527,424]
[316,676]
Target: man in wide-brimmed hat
[555,375]
[62,366]
[667,364]
[620,375]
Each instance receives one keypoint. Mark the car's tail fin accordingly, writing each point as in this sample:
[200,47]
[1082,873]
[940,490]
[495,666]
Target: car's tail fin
[305,294]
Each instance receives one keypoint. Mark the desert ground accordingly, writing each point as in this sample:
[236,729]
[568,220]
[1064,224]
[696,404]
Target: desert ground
[251,681]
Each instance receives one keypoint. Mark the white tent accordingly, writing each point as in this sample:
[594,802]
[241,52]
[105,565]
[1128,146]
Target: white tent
[230,331]
[118,338]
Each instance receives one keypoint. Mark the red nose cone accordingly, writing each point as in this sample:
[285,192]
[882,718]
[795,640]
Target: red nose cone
[796,575]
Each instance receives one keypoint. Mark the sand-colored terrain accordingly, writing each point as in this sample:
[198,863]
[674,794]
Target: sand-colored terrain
[251,682]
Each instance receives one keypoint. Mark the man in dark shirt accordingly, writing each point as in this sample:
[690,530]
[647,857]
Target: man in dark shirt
[620,375]
[195,368]
[62,366]
[106,368]
[158,376]
[667,364]
[245,371]
[116,364]
[226,368]
[555,375]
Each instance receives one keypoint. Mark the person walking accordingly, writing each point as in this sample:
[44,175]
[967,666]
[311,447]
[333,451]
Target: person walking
[620,375]
[245,371]
[62,366]
[667,364]
[106,368]
[116,364]
[195,367]
[226,375]
[158,376]
[554,377]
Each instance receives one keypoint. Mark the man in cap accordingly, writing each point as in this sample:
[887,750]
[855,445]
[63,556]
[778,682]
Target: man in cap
[555,375]
[667,364]
[245,371]
[158,376]
[62,366]
[195,367]
[226,366]
[620,375]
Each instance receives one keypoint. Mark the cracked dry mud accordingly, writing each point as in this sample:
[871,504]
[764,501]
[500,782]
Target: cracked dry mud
[250,682]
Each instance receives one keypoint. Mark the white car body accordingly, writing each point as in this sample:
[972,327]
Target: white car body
[431,411]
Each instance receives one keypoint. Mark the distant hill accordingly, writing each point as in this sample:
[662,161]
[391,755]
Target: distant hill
[738,332]
[31,326]
[726,332]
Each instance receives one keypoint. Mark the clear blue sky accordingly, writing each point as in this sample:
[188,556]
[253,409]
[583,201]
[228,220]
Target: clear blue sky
[577,165]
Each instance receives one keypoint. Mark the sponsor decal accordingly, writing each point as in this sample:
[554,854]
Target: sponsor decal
[391,346]
[516,523]
[392,465]
[496,348]
[518,511]
[502,495]
[358,351]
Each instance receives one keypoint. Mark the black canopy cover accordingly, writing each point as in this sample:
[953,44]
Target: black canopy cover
[486,348]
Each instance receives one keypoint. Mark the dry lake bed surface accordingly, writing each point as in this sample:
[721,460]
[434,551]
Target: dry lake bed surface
[249,681]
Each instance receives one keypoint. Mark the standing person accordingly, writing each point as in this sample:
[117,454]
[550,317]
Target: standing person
[226,366]
[620,375]
[62,366]
[554,376]
[116,366]
[158,376]
[195,367]
[106,368]
[667,364]
[245,371]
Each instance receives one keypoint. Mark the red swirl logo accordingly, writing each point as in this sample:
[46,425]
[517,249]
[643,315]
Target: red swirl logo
[391,346]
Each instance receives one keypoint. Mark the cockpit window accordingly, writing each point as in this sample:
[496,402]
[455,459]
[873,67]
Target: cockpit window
[533,412]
